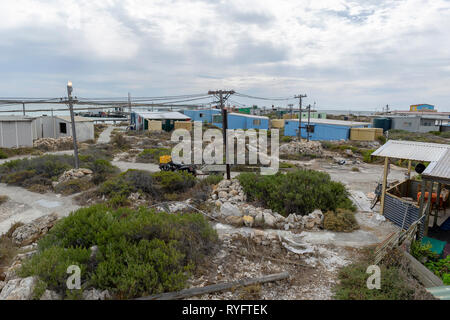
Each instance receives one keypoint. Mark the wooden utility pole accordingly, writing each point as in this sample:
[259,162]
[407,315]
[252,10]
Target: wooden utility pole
[383,191]
[72,118]
[129,103]
[223,96]
[300,97]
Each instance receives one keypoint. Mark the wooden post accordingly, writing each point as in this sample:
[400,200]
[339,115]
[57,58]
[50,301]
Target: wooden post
[427,217]
[409,169]
[438,202]
[383,193]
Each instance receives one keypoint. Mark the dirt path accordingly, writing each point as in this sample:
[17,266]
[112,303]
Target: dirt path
[25,206]
[105,136]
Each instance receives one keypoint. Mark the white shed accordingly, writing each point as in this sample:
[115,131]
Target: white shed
[17,131]
[61,126]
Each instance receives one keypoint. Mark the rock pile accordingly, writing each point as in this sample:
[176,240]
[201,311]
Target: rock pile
[53,144]
[229,197]
[228,191]
[74,174]
[296,147]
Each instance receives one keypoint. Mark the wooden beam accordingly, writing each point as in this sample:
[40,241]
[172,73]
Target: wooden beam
[385,175]
[192,292]
[422,273]
[438,202]
[423,186]
[409,169]
[428,208]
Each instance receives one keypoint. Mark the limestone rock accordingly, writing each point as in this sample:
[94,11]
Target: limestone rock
[50,295]
[95,294]
[32,231]
[235,220]
[248,221]
[269,219]
[18,289]
[228,209]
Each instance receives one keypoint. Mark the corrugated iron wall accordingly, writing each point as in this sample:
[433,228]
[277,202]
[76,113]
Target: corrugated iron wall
[395,209]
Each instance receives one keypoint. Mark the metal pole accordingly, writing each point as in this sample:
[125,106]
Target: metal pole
[23,107]
[309,119]
[72,118]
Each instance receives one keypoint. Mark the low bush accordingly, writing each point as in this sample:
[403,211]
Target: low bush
[299,191]
[42,171]
[140,252]
[172,181]
[340,221]
[120,142]
[152,155]
[212,179]
[73,186]
[367,155]
[8,249]
[396,281]
[129,182]
[3,199]
[423,253]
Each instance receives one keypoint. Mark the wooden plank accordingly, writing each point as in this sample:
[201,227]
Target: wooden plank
[422,273]
[216,287]
[385,175]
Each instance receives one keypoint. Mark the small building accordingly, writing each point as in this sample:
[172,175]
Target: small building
[425,123]
[17,131]
[242,121]
[294,115]
[323,129]
[421,107]
[61,126]
[140,119]
[203,115]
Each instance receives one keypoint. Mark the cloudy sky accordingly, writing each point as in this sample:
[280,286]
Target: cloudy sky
[359,55]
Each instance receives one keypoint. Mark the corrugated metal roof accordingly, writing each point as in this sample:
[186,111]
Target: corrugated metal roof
[333,122]
[160,115]
[412,150]
[439,169]
[77,119]
[442,293]
[247,115]
[16,118]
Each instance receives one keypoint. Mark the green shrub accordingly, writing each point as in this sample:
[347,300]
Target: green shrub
[299,191]
[152,155]
[422,252]
[340,221]
[120,142]
[102,170]
[73,186]
[129,182]
[51,266]
[353,284]
[367,155]
[3,155]
[286,139]
[441,268]
[172,181]
[152,267]
[140,252]
[381,139]
[212,179]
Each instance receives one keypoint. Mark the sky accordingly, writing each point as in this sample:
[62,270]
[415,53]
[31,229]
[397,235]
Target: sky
[352,55]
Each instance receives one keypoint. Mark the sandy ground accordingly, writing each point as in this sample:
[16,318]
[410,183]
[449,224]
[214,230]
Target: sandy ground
[25,206]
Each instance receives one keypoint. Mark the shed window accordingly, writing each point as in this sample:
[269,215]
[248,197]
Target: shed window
[201,115]
[62,127]
[257,122]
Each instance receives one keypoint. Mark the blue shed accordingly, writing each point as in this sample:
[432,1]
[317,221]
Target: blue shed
[204,115]
[242,121]
[323,129]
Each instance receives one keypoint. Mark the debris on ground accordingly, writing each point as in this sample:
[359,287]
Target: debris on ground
[54,144]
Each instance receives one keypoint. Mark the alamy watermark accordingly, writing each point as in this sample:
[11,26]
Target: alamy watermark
[374,281]
[194,151]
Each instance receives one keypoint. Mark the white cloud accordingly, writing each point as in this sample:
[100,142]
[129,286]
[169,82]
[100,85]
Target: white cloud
[360,50]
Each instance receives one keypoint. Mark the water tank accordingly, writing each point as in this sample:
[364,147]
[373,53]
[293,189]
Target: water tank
[384,123]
